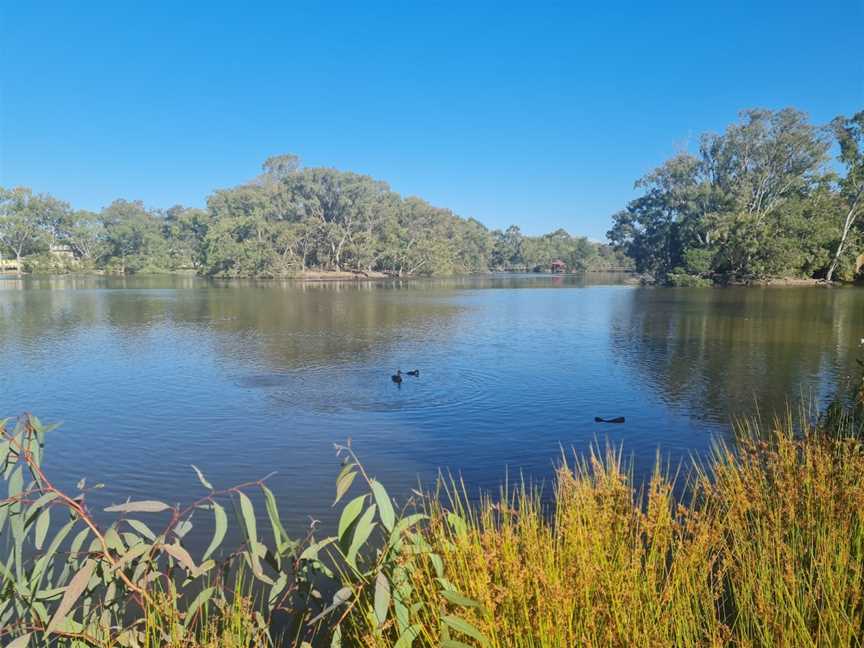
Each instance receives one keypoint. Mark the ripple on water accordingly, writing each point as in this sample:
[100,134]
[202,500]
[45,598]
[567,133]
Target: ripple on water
[364,389]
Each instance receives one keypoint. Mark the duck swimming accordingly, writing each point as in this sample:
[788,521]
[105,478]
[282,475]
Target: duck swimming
[397,377]
[415,373]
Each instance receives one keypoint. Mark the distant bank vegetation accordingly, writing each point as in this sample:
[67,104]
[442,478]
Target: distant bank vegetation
[763,199]
[288,220]
[773,196]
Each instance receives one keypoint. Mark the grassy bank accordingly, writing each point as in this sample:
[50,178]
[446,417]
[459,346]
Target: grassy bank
[762,544]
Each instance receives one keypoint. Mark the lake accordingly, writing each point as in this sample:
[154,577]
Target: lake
[152,374]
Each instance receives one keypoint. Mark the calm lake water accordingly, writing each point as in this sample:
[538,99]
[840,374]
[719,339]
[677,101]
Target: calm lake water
[149,375]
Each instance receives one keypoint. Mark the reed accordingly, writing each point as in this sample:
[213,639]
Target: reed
[759,544]
[765,547]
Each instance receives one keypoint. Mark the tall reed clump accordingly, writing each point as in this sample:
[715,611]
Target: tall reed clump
[791,511]
[764,548]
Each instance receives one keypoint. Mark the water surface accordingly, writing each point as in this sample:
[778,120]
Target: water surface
[150,375]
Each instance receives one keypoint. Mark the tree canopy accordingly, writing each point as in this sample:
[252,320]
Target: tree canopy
[756,201]
[287,220]
[771,196]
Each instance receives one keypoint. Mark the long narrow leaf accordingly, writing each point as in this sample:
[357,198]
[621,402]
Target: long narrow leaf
[73,592]
[362,531]
[144,506]
[385,506]
[221,522]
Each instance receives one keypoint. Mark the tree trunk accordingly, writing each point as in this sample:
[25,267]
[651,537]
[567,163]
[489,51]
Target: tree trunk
[18,267]
[850,220]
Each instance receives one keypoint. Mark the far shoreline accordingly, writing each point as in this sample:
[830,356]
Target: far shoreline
[343,276]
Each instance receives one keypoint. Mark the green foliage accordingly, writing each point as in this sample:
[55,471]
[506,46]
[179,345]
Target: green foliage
[133,238]
[850,137]
[47,263]
[513,250]
[378,554]
[293,219]
[757,201]
[27,221]
[70,579]
[765,547]
[682,279]
[128,579]
[288,220]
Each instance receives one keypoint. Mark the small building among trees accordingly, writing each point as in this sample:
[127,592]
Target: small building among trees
[558,266]
[61,251]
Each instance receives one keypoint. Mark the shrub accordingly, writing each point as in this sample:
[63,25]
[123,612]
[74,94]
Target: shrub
[68,580]
[48,263]
[684,280]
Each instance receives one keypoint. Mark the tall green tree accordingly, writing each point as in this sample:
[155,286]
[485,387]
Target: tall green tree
[185,231]
[723,211]
[850,136]
[133,237]
[84,232]
[22,219]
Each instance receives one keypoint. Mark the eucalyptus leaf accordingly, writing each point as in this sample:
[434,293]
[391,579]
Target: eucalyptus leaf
[201,599]
[42,524]
[343,484]
[279,533]
[247,512]
[350,512]
[459,599]
[385,506]
[16,482]
[362,531]
[201,478]
[221,526]
[20,642]
[141,528]
[180,554]
[144,506]
[382,597]
[461,625]
[74,590]
[406,639]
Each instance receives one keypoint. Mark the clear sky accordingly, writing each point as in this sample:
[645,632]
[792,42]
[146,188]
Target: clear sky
[529,113]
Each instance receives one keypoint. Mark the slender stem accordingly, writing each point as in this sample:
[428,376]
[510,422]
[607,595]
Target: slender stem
[46,484]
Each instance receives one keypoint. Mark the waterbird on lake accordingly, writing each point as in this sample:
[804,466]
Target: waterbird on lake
[617,419]
[397,377]
[415,373]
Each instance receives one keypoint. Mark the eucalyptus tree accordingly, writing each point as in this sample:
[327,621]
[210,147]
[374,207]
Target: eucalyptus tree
[279,167]
[241,246]
[343,204]
[755,167]
[22,219]
[185,231]
[850,136]
[507,251]
[133,237]
[723,210]
[84,232]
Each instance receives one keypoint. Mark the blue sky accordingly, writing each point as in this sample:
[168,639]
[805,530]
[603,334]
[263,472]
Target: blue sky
[529,113]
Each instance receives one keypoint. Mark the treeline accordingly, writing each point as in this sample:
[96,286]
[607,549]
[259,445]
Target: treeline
[513,250]
[288,220]
[763,199]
